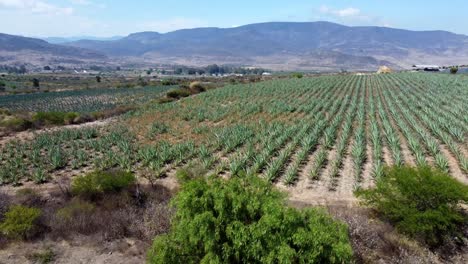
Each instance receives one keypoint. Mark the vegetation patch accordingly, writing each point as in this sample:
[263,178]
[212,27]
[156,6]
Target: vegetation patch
[20,222]
[43,257]
[97,183]
[421,202]
[178,93]
[244,220]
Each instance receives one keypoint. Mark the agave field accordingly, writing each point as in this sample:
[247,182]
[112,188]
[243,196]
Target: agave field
[329,134]
[82,101]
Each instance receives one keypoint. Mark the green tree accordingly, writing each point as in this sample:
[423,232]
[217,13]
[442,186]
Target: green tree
[36,83]
[244,220]
[422,202]
[98,78]
[454,69]
[297,75]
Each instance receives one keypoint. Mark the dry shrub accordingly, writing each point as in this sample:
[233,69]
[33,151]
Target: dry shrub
[376,242]
[156,220]
[75,217]
[29,197]
[196,87]
[5,201]
[115,216]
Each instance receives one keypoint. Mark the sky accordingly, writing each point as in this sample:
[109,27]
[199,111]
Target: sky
[66,18]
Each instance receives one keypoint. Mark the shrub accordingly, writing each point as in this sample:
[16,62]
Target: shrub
[20,222]
[168,82]
[43,257]
[164,100]
[454,70]
[183,176]
[75,209]
[29,197]
[297,75]
[16,124]
[5,201]
[421,202]
[70,118]
[178,93]
[243,220]
[50,118]
[196,87]
[100,182]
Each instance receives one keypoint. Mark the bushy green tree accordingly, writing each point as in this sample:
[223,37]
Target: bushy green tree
[422,202]
[244,220]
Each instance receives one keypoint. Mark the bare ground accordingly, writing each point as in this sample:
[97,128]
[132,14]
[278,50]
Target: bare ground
[347,182]
[367,178]
[80,250]
[30,134]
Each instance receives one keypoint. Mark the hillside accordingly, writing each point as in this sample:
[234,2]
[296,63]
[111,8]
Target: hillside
[291,45]
[23,50]
[277,45]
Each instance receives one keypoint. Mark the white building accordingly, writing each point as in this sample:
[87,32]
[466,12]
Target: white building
[426,67]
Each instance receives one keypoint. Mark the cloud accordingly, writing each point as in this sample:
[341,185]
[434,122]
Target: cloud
[350,15]
[87,3]
[346,12]
[81,2]
[36,7]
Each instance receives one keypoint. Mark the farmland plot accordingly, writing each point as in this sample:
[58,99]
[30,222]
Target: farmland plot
[318,138]
[82,101]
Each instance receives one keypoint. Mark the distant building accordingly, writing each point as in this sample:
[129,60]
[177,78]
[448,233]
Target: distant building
[426,67]
[266,74]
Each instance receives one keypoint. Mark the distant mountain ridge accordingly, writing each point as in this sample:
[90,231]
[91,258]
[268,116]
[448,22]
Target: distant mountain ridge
[62,40]
[288,46]
[24,50]
[296,43]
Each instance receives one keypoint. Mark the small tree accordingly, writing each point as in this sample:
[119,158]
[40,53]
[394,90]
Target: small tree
[36,83]
[47,68]
[297,75]
[454,69]
[244,220]
[98,79]
[421,202]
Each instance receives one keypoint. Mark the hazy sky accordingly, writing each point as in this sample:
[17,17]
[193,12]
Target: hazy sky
[121,17]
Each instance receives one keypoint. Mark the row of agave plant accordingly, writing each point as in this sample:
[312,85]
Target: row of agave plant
[276,129]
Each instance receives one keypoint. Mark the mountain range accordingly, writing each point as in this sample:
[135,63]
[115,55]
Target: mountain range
[275,45]
[61,40]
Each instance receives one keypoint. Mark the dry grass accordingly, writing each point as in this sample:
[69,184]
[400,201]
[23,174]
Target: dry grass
[377,242]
